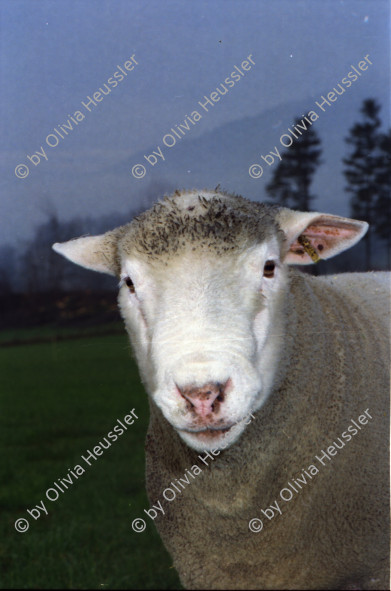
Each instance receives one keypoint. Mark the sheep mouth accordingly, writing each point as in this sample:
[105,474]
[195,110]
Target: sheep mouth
[209,432]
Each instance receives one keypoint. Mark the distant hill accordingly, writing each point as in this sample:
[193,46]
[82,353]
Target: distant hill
[225,154]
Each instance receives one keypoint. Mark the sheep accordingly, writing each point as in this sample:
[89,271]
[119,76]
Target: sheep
[223,327]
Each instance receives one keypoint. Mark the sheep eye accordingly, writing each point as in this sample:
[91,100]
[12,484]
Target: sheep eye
[130,284]
[268,269]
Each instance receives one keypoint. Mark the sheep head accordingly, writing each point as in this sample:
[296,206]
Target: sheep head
[203,281]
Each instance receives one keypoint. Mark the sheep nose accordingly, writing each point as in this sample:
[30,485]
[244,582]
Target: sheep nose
[206,399]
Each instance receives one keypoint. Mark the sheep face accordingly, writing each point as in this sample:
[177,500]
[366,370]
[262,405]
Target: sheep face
[199,328]
[203,287]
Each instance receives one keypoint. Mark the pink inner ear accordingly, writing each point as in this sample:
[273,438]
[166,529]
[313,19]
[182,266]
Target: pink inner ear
[323,237]
[329,234]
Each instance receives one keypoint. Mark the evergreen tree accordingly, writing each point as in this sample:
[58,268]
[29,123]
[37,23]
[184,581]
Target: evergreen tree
[362,169]
[382,218]
[291,181]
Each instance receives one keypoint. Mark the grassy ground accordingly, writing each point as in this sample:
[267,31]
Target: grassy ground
[57,400]
[17,336]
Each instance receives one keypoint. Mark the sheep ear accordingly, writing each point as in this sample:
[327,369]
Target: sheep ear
[97,253]
[312,236]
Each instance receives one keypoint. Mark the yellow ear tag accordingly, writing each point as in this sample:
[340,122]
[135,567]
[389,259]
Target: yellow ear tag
[310,250]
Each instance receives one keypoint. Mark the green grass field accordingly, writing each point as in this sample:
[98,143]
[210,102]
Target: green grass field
[57,400]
